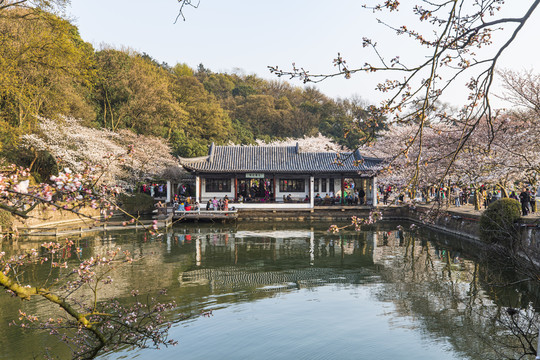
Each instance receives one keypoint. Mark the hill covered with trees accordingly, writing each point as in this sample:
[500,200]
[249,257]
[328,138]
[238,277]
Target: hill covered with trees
[49,71]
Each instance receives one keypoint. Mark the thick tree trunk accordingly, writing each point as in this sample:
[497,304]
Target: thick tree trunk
[503,189]
[33,161]
[425,191]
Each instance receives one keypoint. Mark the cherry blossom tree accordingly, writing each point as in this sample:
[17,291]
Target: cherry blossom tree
[512,157]
[403,155]
[523,91]
[78,147]
[89,323]
[68,191]
[319,143]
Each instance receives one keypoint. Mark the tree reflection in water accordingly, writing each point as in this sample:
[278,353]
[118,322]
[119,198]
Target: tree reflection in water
[471,302]
[442,283]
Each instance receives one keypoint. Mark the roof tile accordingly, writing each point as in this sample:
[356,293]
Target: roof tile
[280,159]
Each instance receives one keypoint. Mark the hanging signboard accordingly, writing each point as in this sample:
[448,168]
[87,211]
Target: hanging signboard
[254,176]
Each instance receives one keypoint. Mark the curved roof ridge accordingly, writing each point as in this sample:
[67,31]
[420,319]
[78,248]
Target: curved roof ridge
[183,159]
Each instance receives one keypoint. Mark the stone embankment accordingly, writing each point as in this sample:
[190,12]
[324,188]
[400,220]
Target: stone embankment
[462,221]
[49,216]
[56,222]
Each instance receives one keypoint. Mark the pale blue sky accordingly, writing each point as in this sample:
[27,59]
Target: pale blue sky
[250,35]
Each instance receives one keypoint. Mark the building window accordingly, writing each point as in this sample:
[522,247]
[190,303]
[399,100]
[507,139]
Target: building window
[316,185]
[218,185]
[292,185]
[323,185]
[332,184]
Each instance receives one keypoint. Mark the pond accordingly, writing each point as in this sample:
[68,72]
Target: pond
[283,291]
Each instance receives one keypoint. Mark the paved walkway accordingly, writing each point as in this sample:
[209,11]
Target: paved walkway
[469,210]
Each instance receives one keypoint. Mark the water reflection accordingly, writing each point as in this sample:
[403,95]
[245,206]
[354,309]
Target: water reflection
[459,299]
[426,292]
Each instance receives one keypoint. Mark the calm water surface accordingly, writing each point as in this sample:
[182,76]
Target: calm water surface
[280,291]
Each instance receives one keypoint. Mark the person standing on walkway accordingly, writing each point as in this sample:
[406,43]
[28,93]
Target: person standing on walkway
[514,196]
[485,197]
[525,199]
[456,194]
[385,198]
[532,201]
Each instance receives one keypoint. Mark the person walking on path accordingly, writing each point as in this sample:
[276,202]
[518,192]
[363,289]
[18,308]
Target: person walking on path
[525,199]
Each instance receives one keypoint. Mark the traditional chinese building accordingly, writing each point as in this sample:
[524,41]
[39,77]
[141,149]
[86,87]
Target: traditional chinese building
[260,177]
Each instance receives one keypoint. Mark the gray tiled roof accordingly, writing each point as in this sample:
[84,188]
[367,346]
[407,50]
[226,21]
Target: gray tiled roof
[277,159]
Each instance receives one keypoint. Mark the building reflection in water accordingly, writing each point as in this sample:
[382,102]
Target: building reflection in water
[433,282]
[444,289]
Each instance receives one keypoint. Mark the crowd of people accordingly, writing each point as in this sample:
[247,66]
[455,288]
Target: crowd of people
[154,190]
[527,197]
[350,197]
[255,190]
[462,195]
[218,204]
[183,203]
[456,195]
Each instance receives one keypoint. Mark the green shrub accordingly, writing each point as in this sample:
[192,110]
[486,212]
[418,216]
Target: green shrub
[6,220]
[497,223]
[139,203]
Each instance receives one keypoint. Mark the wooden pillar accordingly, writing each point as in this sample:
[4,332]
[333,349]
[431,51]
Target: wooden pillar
[274,186]
[342,188]
[235,188]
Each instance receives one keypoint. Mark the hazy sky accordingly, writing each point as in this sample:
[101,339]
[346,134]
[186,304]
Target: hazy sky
[248,35]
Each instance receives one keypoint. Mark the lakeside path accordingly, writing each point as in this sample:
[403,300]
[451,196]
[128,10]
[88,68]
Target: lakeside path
[467,210]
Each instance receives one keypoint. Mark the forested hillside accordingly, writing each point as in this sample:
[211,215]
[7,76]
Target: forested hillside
[48,71]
